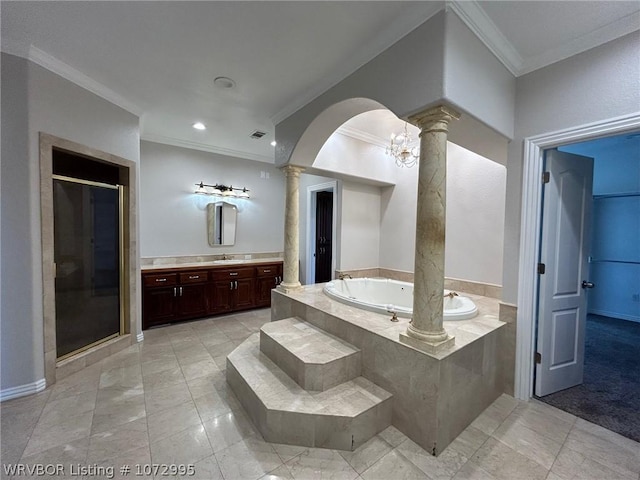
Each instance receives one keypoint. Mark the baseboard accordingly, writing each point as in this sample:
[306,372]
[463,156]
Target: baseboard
[23,390]
[619,316]
[140,337]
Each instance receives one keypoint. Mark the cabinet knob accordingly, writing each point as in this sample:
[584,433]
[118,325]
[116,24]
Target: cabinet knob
[267,271]
[161,279]
[194,277]
[233,274]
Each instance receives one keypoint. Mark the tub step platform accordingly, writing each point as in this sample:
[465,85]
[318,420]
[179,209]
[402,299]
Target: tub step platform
[343,417]
[315,359]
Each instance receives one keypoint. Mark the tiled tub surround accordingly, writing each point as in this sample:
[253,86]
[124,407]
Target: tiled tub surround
[435,396]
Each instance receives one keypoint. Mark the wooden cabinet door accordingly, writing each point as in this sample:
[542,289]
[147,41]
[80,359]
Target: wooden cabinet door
[244,293]
[192,300]
[220,296]
[263,290]
[159,306]
[268,277]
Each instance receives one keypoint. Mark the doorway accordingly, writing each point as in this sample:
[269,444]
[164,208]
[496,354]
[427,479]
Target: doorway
[321,255]
[606,349]
[88,245]
[81,162]
[324,234]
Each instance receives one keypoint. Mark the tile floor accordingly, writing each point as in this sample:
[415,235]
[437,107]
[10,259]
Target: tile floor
[166,401]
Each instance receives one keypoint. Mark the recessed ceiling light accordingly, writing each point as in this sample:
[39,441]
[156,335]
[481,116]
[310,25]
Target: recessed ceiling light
[224,82]
[273,144]
[199,126]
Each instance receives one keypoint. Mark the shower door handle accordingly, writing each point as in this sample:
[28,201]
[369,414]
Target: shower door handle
[586,284]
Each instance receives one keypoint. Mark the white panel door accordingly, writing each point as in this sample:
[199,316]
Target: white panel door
[562,308]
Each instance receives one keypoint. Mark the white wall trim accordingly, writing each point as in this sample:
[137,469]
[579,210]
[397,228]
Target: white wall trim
[177,142]
[362,136]
[140,337]
[23,390]
[311,227]
[530,233]
[611,31]
[483,27]
[67,72]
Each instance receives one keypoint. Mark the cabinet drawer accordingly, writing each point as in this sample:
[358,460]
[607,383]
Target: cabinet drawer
[232,273]
[194,277]
[160,280]
[268,270]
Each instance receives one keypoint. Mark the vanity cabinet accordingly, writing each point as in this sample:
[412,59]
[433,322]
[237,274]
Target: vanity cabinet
[192,294]
[158,299]
[232,289]
[268,277]
[175,294]
[169,297]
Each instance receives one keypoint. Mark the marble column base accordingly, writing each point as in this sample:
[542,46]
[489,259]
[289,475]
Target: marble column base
[289,287]
[427,346]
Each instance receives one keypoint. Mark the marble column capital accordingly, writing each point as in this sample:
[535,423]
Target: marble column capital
[435,119]
[292,170]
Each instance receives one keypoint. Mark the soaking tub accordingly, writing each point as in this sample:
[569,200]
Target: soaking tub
[383,295]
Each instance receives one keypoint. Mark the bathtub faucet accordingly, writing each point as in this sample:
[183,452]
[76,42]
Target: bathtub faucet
[451,295]
[342,276]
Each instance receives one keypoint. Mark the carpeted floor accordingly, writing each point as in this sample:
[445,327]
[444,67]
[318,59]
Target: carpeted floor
[610,394]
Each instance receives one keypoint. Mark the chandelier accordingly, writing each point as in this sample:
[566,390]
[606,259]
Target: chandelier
[400,149]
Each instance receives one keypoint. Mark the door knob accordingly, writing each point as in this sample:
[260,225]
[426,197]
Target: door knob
[586,284]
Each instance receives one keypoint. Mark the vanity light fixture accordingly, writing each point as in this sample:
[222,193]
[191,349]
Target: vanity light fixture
[273,144]
[221,190]
[199,126]
[400,149]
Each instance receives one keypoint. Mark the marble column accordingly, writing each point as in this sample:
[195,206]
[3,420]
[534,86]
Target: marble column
[426,331]
[291,274]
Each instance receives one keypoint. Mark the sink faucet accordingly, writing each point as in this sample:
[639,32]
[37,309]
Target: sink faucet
[226,257]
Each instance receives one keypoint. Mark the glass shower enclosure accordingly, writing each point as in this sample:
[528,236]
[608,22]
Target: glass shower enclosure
[88,236]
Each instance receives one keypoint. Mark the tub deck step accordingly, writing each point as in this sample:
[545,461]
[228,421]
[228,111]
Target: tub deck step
[342,417]
[315,359]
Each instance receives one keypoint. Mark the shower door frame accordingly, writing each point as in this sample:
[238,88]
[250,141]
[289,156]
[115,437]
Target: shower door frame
[121,279]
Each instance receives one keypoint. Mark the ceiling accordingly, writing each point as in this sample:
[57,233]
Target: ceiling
[159,59]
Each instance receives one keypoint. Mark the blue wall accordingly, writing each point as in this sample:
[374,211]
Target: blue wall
[615,234]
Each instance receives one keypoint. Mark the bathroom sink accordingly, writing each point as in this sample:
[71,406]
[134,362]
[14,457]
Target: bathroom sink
[222,262]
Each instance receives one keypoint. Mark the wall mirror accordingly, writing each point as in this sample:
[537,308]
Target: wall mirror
[221,223]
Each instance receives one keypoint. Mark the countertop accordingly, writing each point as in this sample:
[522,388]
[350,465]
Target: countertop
[214,263]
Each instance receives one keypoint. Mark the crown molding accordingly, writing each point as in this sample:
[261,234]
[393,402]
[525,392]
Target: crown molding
[177,142]
[362,136]
[479,23]
[595,38]
[472,14]
[51,63]
[379,44]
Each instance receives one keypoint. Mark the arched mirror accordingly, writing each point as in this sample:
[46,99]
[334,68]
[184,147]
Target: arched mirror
[221,223]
